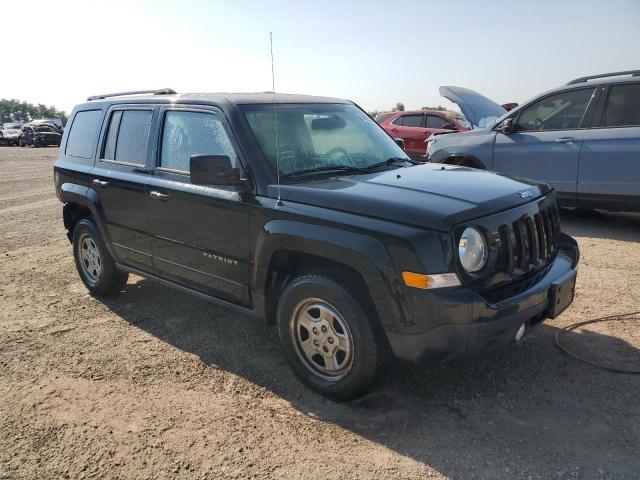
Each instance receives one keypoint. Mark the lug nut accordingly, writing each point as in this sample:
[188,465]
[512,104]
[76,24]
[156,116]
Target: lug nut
[326,349]
[330,339]
[315,330]
[324,328]
[315,342]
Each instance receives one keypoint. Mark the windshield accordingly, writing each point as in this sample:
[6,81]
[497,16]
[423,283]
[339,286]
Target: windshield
[320,136]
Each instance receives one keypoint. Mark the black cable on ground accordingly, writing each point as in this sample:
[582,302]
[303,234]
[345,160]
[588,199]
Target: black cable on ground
[556,338]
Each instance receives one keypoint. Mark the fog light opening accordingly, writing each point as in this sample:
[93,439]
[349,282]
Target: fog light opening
[520,332]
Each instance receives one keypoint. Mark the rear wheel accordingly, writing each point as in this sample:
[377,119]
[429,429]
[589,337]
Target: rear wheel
[93,261]
[327,338]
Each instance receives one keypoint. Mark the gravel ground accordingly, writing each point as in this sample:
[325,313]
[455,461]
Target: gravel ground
[158,384]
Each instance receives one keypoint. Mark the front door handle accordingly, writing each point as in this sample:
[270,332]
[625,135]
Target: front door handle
[159,196]
[565,140]
[101,183]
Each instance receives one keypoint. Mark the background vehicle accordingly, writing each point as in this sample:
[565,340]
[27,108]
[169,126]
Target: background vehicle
[53,121]
[39,134]
[414,127]
[345,254]
[9,136]
[582,138]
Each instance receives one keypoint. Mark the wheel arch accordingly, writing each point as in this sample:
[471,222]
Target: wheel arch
[357,261]
[464,161]
[83,202]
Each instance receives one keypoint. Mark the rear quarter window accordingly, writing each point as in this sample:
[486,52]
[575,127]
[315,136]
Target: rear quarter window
[83,135]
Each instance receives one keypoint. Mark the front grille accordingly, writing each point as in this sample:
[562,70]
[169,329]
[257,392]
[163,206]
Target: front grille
[530,241]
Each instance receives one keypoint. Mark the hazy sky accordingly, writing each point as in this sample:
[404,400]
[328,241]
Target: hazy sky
[375,53]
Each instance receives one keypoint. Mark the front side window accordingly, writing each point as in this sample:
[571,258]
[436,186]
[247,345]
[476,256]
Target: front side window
[623,106]
[433,121]
[320,135]
[193,133]
[127,136]
[84,134]
[562,111]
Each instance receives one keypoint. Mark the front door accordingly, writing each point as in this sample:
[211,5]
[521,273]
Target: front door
[201,233]
[610,159]
[545,142]
[119,179]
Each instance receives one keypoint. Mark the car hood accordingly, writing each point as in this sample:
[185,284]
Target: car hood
[431,196]
[477,109]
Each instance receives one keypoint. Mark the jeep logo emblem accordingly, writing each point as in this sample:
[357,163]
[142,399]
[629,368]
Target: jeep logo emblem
[525,194]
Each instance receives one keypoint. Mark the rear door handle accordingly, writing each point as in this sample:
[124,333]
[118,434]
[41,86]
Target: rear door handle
[565,140]
[101,183]
[159,196]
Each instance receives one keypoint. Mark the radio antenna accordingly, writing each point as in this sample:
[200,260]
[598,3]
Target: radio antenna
[275,119]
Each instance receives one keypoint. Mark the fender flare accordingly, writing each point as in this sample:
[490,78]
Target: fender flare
[87,197]
[360,252]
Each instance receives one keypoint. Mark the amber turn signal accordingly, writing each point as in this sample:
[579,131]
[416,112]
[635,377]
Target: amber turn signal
[439,280]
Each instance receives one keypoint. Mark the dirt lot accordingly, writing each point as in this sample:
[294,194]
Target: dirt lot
[158,384]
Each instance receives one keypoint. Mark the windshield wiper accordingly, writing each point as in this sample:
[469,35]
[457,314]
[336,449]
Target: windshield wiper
[326,168]
[391,161]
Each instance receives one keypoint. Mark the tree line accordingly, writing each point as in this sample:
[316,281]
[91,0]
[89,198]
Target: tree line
[399,107]
[17,111]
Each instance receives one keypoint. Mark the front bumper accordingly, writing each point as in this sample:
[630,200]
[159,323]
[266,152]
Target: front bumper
[459,321]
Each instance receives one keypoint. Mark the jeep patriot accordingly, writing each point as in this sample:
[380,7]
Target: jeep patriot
[301,210]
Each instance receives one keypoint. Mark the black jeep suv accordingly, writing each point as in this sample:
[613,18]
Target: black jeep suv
[301,210]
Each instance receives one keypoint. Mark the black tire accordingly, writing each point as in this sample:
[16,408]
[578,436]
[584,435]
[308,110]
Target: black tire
[108,280]
[366,362]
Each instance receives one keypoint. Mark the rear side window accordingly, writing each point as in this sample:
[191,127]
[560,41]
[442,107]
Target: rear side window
[433,121]
[84,134]
[381,117]
[193,133]
[127,136]
[410,121]
[623,106]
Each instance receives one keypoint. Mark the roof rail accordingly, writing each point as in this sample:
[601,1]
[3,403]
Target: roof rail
[634,73]
[161,91]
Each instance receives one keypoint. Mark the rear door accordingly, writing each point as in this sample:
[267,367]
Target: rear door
[119,178]
[545,144]
[201,233]
[609,175]
[410,128]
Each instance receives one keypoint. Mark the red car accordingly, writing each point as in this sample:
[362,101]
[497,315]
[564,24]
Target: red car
[414,127]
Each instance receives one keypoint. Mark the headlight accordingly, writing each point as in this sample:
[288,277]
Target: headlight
[472,250]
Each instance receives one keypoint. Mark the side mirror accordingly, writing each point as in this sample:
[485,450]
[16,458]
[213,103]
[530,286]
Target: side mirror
[449,126]
[400,142]
[213,170]
[506,126]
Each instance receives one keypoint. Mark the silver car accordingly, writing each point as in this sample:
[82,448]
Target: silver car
[582,138]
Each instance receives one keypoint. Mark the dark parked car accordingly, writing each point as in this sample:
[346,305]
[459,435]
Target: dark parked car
[39,134]
[316,221]
[583,138]
[414,127]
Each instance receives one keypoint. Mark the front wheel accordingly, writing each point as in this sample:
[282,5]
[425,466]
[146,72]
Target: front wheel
[93,261]
[327,338]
